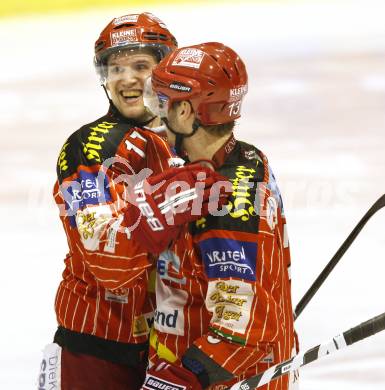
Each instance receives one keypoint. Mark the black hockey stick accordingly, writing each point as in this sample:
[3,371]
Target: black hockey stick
[378,205]
[351,336]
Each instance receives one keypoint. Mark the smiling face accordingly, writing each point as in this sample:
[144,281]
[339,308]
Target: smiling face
[127,72]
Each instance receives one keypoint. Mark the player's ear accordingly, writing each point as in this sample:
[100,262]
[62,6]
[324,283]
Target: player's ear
[185,109]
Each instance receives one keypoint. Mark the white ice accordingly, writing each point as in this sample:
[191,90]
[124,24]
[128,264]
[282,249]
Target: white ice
[316,107]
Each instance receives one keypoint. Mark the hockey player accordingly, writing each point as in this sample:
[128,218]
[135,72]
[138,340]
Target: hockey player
[223,292]
[103,306]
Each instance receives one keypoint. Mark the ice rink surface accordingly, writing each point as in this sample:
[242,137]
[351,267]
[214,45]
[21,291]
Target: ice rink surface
[316,107]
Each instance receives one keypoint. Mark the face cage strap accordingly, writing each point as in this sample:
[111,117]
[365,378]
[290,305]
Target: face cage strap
[105,91]
[179,136]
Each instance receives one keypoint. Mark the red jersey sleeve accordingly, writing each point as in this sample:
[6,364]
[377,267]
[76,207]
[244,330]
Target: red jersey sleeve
[92,200]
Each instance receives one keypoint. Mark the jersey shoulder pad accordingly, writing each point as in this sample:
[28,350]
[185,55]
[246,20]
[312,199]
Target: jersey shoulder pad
[241,213]
[90,145]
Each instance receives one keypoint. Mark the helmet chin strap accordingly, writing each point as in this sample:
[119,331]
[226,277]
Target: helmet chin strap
[105,91]
[179,137]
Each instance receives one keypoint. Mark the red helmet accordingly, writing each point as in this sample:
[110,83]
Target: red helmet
[210,75]
[133,31]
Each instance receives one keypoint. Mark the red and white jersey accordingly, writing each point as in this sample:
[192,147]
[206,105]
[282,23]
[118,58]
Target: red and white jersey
[223,290]
[104,291]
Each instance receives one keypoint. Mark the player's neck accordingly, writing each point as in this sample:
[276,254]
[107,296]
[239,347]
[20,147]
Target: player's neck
[203,145]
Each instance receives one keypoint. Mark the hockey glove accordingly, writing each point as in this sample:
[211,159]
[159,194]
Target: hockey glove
[165,375]
[163,203]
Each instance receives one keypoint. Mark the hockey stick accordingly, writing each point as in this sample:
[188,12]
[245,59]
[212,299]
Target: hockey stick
[378,205]
[351,336]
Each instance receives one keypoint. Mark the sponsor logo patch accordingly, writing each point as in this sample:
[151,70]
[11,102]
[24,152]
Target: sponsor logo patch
[50,368]
[250,154]
[152,16]
[142,324]
[169,316]
[86,224]
[119,296]
[91,223]
[87,189]
[269,358]
[230,302]
[230,145]
[191,58]
[155,383]
[166,319]
[237,93]
[124,36]
[180,87]
[168,267]
[225,258]
[242,203]
[94,145]
[125,19]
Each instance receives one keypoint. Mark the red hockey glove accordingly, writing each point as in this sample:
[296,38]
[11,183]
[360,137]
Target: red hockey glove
[165,375]
[163,203]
